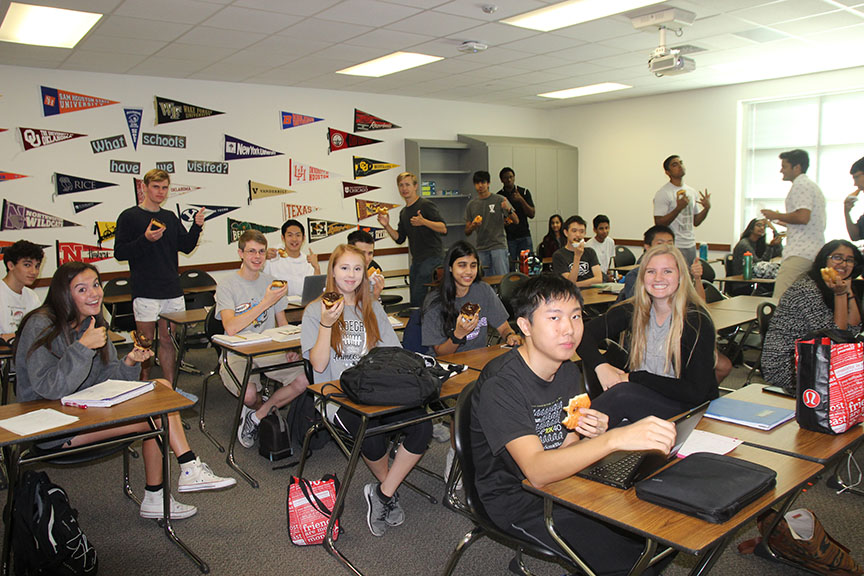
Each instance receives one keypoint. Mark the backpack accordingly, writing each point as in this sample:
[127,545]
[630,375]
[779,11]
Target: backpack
[46,537]
[274,437]
[302,415]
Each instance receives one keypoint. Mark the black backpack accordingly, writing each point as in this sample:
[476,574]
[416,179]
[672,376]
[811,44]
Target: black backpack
[302,415]
[46,538]
[274,437]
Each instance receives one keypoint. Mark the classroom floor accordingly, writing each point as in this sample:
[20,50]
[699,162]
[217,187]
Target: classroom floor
[243,530]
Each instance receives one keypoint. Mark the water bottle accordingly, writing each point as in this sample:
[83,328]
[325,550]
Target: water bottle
[748,265]
[703,252]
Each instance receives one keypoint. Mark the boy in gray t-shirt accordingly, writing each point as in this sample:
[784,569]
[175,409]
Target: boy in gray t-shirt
[488,213]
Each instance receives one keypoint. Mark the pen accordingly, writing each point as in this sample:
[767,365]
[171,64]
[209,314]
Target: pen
[74,405]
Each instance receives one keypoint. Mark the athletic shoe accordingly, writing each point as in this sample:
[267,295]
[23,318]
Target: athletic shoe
[376,515]
[152,507]
[247,432]
[395,513]
[451,455]
[187,395]
[196,476]
[441,432]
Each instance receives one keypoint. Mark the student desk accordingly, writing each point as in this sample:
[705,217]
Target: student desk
[159,402]
[594,297]
[740,278]
[477,359]
[119,298]
[742,303]
[658,525]
[182,320]
[451,389]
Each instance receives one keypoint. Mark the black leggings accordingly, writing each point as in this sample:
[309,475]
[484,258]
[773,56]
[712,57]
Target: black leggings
[634,401]
[415,438]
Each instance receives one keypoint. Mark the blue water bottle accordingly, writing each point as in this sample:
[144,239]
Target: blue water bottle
[703,252]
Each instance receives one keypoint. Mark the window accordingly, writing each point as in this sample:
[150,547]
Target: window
[830,127]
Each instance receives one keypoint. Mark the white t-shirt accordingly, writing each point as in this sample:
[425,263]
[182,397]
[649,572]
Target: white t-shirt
[605,251]
[13,307]
[805,240]
[665,201]
[291,270]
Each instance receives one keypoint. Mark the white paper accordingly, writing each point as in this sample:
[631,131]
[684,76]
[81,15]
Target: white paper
[37,421]
[242,339]
[702,441]
[283,333]
[395,322]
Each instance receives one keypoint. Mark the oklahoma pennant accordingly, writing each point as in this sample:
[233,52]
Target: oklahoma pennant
[56,101]
[36,137]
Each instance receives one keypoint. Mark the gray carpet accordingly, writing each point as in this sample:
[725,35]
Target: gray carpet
[243,530]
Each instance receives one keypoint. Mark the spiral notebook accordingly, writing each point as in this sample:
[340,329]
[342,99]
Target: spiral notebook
[106,394]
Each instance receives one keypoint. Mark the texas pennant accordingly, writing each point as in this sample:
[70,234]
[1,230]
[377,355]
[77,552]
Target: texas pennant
[36,137]
[350,189]
[4,176]
[377,233]
[237,149]
[188,212]
[173,190]
[258,190]
[297,210]
[321,229]
[81,206]
[367,208]
[299,172]
[367,166]
[66,184]
[339,140]
[104,231]
[292,120]
[175,111]
[365,122]
[237,227]
[56,101]
[133,120]
[75,252]
[20,217]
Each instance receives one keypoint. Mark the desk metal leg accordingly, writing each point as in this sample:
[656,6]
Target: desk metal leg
[233,441]
[11,456]
[548,506]
[708,561]
[180,345]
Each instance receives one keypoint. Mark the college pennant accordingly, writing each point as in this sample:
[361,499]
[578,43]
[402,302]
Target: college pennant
[350,189]
[82,206]
[187,213]
[66,184]
[36,137]
[321,229]
[175,111]
[258,190]
[367,166]
[56,101]
[104,231]
[20,217]
[299,172]
[4,244]
[237,149]
[173,190]
[339,140]
[237,227]
[367,208]
[377,233]
[297,210]
[4,176]
[292,120]
[365,122]
[133,120]
[75,252]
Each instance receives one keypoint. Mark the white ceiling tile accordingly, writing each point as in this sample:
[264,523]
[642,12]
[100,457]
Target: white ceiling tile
[299,7]
[427,4]
[325,30]
[275,51]
[444,47]
[540,62]
[203,55]
[623,60]
[330,82]
[783,11]
[587,52]
[493,34]
[602,29]
[182,11]
[155,66]
[720,24]
[544,43]
[390,40]
[724,42]
[367,12]
[229,72]
[821,23]
[102,43]
[494,55]
[250,20]
[637,41]
[579,69]
[126,27]
[454,66]
[535,77]
[219,37]
[352,54]
[97,6]
[115,63]
[11,51]
[443,24]
[506,8]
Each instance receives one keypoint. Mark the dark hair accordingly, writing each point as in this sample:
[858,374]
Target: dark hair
[573,220]
[506,169]
[650,233]
[760,245]
[539,289]
[360,236]
[858,166]
[482,176]
[668,161]
[821,260]
[60,309]
[446,293]
[20,250]
[600,219]
[797,157]
[292,222]
[552,232]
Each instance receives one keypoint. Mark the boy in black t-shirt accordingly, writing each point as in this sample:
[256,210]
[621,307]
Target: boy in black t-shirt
[575,261]
[516,429]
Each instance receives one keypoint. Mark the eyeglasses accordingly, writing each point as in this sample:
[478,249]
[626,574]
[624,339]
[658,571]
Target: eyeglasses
[253,252]
[838,259]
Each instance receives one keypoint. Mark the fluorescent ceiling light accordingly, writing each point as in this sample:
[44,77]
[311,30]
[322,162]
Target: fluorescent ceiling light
[390,64]
[574,12]
[586,90]
[44,26]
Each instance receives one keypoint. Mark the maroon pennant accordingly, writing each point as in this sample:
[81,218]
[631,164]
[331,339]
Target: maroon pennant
[365,122]
[350,189]
[340,140]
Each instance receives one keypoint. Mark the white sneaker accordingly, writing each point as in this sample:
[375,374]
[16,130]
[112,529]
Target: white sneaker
[151,507]
[451,455]
[196,476]
[247,432]
[440,432]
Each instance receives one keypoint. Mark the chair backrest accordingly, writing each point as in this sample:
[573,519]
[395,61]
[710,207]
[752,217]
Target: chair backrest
[616,355]
[122,315]
[764,313]
[465,456]
[196,279]
[624,256]
[412,335]
[707,271]
[712,293]
[213,326]
[509,283]
[727,264]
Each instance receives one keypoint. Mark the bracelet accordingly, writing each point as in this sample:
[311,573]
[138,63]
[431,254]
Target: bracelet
[324,325]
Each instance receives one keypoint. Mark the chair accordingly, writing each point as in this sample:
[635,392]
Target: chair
[472,508]
[624,256]
[197,279]
[412,335]
[212,326]
[509,283]
[712,293]
[616,355]
[122,316]
[707,271]
[763,319]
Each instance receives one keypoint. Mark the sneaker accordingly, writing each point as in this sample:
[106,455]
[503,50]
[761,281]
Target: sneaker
[247,432]
[196,476]
[376,516]
[187,395]
[451,455]
[395,514]
[441,432]
[151,507]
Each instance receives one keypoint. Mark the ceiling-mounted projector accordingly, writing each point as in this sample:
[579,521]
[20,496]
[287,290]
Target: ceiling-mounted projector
[671,64]
[665,61]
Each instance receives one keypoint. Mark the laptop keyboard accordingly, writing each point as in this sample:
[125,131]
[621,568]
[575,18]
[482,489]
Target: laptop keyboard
[620,471]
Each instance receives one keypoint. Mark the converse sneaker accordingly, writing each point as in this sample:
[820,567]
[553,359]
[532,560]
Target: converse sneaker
[376,515]
[151,507]
[451,455]
[395,514]
[196,476]
[247,432]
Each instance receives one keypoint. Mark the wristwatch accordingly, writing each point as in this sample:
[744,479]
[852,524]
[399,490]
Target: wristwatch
[457,341]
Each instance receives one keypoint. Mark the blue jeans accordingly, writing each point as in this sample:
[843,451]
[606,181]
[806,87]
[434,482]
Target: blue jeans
[516,246]
[420,274]
[494,262]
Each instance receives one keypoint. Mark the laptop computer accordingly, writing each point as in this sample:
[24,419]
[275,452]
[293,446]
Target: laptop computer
[313,287]
[623,469]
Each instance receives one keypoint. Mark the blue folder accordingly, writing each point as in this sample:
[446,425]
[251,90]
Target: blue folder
[749,414]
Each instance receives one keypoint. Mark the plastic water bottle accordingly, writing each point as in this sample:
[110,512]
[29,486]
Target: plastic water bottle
[748,265]
[703,252]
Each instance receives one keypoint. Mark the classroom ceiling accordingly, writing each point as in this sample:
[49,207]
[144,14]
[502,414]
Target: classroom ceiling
[303,42]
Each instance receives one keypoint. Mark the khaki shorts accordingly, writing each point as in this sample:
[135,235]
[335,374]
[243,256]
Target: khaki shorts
[148,309]
[238,366]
